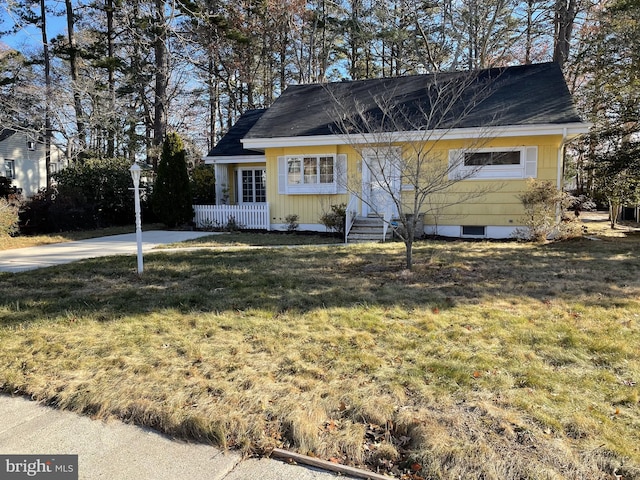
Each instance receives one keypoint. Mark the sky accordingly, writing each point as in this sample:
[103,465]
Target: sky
[28,36]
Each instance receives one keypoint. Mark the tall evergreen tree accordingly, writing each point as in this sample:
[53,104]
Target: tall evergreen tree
[171,199]
[614,103]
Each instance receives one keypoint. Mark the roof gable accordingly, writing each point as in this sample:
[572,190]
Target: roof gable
[6,133]
[509,96]
[230,144]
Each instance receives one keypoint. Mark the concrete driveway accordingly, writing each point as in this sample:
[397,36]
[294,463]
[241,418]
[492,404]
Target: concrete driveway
[30,258]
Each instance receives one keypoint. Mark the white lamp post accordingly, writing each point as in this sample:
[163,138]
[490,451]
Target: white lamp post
[135,175]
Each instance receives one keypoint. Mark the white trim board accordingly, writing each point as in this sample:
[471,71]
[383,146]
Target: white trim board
[568,130]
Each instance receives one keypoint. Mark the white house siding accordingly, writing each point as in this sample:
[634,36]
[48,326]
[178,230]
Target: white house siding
[30,173]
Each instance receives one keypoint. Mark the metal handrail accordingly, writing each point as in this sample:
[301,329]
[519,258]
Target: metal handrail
[386,221]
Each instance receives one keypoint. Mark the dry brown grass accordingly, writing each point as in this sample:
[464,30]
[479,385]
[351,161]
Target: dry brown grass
[490,360]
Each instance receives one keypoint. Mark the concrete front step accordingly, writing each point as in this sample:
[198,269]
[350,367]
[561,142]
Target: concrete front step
[368,229]
[367,238]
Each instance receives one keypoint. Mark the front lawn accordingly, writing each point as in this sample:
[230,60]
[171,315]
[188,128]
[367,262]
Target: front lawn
[489,360]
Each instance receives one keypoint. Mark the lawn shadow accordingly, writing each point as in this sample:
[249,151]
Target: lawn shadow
[305,279]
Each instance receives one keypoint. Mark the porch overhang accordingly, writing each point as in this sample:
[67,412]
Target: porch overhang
[236,159]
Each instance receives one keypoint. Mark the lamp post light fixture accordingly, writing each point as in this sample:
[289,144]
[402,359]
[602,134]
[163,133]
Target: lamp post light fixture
[135,176]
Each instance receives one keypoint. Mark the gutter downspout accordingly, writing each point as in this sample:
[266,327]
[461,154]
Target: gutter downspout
[561,151]
[560,181]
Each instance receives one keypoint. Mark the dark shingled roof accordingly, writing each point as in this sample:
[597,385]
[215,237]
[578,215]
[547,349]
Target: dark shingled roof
[522,95]
[6,133]
[230,145]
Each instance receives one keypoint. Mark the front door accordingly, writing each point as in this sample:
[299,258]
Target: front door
[252,185]
[380,181]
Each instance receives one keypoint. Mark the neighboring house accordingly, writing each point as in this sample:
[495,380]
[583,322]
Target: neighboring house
[22,160]
[293,158]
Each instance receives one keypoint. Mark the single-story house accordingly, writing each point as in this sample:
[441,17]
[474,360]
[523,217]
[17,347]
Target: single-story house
[22,160]
[359,142]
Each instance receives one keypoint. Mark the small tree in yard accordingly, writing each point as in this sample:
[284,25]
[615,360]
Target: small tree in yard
[542,202]
[618,170]
[8,217]
[172,200]
[400,144]
[8,208]
[335,219]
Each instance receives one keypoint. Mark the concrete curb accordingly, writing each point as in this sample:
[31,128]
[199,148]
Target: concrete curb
[114,450]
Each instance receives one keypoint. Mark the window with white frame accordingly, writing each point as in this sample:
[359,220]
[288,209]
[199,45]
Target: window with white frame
[310,174]
[310,170]
[10,169]
[494,163]
[31,145]
[253,185]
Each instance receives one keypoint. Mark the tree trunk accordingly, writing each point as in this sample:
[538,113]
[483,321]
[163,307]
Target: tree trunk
[73,67]
[111,133]
[161,74]
[614,209]
[565,15]
[529,33]
[214,100]
[409,253]
[47,101]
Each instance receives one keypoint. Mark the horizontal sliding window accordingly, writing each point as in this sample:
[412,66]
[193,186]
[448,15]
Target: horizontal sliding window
[473,231]
[477,159]
[494,163]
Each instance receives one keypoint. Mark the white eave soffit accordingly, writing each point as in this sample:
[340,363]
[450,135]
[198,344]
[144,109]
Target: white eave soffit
[235,159]
[567,130]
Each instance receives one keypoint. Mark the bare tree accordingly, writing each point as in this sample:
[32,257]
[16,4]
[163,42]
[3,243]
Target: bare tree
[406,171]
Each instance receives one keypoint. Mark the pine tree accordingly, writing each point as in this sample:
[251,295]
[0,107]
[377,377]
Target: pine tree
[171,194]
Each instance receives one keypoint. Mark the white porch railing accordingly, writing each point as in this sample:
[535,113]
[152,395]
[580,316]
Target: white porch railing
[351,214]
[247,215]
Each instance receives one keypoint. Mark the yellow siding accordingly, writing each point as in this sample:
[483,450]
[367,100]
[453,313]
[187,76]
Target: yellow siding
[500,206]
[309,208]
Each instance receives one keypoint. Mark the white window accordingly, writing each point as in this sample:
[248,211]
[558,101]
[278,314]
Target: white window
[310,170]
[10,169]
[311,174]
[253,185]
[31,145]
[494,163]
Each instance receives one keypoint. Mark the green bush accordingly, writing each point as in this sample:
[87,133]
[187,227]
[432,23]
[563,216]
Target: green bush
[6,189]
[94,194]
[292,222]
[203,184]
[171,200]
[34,214]
[335,219]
